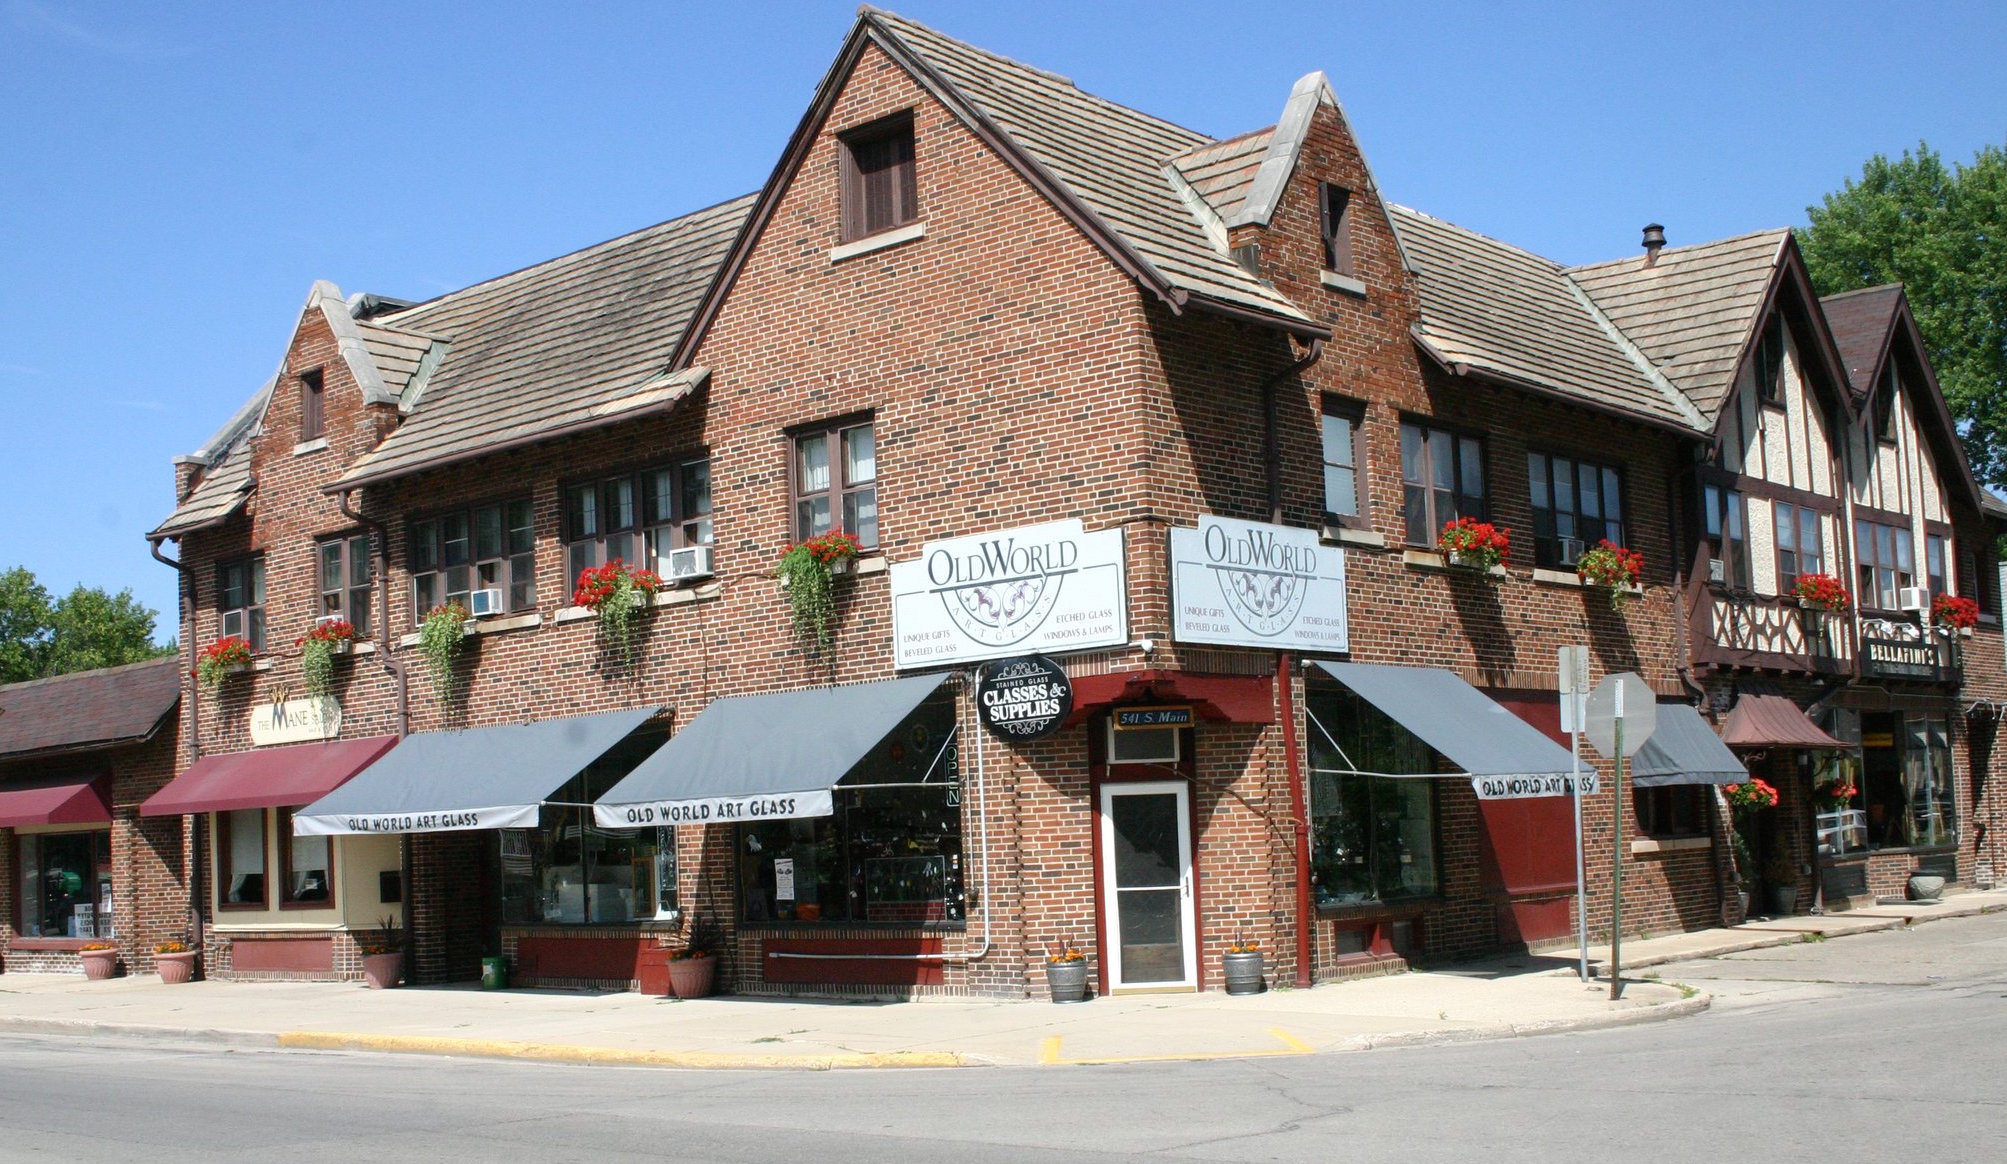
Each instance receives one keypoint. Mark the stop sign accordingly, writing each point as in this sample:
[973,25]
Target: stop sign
[1622,696]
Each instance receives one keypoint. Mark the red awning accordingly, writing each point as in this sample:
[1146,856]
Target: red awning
[1772,721]
[58,802]
[1228,698]
[265,778]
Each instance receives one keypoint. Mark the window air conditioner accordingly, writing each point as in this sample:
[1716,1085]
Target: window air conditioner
[1913,598]
[482,603]
[1717,570]
[328,620]
[1571,552]
[686,564]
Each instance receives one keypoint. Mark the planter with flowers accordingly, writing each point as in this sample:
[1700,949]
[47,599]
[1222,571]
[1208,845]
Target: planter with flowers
[1242,963]
[175,963]
[807,571]
[100,959]
[221,659]
[319,648]
[382,955]
[1613,568]
[1822,592]
[441,639]
[1066,975]
[1952,613]
[1474,545]
[619,595]
[1834,795]
[1751,795]
[693,972]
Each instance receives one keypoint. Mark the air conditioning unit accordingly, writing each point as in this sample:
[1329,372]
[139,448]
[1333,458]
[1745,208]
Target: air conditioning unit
[1717,570]
[328,620]
[1913,598]
[482,603]
[688,563]
[1571,551]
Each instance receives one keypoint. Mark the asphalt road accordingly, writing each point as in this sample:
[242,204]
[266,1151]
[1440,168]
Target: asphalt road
[1885,1047]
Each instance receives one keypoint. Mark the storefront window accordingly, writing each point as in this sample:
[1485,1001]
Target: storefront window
[1836,800]
[306,875]
[1906,781]
[240,858]
[66,889]
[1373,837]
[891,853]
[569,871]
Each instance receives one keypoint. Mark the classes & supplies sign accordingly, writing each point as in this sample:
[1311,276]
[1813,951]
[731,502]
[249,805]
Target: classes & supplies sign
[1250,584]
[1050,587]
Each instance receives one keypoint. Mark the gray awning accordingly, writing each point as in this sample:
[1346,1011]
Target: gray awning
[481,778]
[1684,750]
[1504,755]
[762,757]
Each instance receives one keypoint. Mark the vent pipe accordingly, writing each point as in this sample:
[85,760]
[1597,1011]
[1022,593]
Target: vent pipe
[1655,241]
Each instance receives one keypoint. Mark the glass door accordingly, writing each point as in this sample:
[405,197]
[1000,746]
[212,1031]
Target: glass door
[1146,892]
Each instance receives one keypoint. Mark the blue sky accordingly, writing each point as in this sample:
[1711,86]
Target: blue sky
[174,177]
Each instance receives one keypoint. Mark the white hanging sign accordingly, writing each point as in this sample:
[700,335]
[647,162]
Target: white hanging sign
[1251,584]
[1051,587]
[295,721]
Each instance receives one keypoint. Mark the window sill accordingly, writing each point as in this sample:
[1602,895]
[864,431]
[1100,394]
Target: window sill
[1345,283]
[879,241]
[318,444]
[362,648]
[1346,535]
[1431,560]
[677,596]
[836,930]
[487,626]
[875,564]
[54,945]
[242,928]
[1669,844]
[1570,578]
[1397,908]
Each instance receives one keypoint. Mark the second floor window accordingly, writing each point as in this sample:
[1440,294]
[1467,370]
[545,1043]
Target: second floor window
[1885,562]
[1442,478]
[836,483]
[1337,227]
[1770,362]
[488,547]
[637,517]
[1575,505]
[312,418]
[1727,543]
[879,191]
[1933,564]
[240,601]
[1800,548]
[1343,440]
[346,575]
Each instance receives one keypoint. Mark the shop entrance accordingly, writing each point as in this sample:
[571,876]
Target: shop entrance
[1146,892]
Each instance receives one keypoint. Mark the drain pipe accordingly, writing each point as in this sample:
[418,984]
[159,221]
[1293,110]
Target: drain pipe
[380,553]
[195,830]
[1285,686]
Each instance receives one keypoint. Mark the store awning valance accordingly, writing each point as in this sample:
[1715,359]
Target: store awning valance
[265,777]
[1684,750]
[481,778]
[1772,721]
[762,757]
[54,802]
[1457,720]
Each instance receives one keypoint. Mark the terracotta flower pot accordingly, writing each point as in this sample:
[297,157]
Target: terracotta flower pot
[99,963]
[693,977]
[381,971]
[175,968]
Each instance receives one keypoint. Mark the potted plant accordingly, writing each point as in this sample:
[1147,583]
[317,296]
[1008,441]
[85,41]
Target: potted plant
[618,595]
[318,649]
[441,638]
[100,959]
[1822,592]
[1242,963]
[1066,975]
[219,660]
[1474,545]
[1613,568]
[1950,612]
[693,971]
[806,571]
[382,955]
[1749,796]
[175,962]
[1834,795]
[1782,874]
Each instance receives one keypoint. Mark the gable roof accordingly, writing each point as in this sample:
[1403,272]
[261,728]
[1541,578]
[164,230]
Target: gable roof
[1867,325]
[88,709]
[1510,315]
[1863,323]
[575,343]
[224,465]
[1222,172]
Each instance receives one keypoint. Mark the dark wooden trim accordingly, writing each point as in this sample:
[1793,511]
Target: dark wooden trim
[853,221]
[631,468]
[1767,490]
[282,819]
[1715,655]
[1883,516]
[220,834]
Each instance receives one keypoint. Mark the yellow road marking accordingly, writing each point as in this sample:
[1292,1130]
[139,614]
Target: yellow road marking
[1048,1054]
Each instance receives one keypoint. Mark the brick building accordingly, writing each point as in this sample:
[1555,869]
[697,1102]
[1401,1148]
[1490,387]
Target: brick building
[1181,419]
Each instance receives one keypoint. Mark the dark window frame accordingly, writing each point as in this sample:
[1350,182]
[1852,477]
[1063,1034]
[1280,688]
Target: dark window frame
[313,406]
[840,491]
[1725,510]
[879,177]
[350,595]
[283,830]
[644,530]
[1668,812]
[249,609]
[1770,352]
[1789,571]
[101,854]
[1938,544]
[1868,564]
[427,558]
[1334,204]
[1881,413]
[1433,517]
[226,871]
[1353,413]
[1379,743]
[1547,514]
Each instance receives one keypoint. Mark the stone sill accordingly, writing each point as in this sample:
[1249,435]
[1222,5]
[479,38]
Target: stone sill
[1345,283]
[1570,578]
[879,241]
[1641,845]
[487,626]
[1431,560]
[362,648]
[242,928]
[315,445]
[1346,535]
[676,596]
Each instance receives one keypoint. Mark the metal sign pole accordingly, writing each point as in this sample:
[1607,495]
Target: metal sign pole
[1617,862]
[1581,881]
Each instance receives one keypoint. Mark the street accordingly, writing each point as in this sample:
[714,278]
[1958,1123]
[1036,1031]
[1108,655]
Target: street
[1885,1047]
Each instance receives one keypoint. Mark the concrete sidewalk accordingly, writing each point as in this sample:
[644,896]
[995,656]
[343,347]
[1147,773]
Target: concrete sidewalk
[1529,994]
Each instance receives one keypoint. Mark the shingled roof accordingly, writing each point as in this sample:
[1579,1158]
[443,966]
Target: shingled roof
[1693,310]
[223,467]
[569,344]
[88,709]
[1862,322]
[1499,311]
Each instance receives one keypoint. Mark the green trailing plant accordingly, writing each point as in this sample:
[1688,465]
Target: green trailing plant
[318,649]
[619,596]
[441,638]
[215,662]
[806,571]
[1611,567]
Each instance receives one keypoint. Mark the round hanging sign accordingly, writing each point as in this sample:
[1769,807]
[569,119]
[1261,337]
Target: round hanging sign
[1026,698]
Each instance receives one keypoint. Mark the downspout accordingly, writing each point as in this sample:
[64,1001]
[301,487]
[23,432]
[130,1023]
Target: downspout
[195,831]
[380,553]
[1285,687]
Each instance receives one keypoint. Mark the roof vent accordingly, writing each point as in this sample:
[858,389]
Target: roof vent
[1655,241]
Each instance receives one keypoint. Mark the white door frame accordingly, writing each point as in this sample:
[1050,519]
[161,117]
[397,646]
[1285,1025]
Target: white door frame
[1188,913]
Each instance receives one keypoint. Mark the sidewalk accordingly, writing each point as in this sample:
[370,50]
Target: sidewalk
[1528,994]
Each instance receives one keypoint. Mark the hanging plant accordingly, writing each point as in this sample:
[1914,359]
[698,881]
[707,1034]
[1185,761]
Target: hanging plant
[441,638]
[1612,567]
[807,572]
[219,660]
[619,596]
[1756,793]
[1472,544]
[318,648]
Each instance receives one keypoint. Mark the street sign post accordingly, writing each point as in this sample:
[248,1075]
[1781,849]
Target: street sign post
[1622,714]
[1572,666]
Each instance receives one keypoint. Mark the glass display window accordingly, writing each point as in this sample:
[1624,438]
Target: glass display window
[66,884]
[1373,828]
[570,871]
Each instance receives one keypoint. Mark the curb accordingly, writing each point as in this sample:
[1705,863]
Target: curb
[19,1024]
[1665,1012]
[612,1056]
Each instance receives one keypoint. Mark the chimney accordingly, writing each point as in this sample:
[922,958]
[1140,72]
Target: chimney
[1655,241]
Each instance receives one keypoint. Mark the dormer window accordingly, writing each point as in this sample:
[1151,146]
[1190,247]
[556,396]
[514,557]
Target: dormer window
[879,191]
[1770,362]
[1337,206]
[312,416]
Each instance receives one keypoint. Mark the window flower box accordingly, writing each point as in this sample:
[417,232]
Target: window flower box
[221,659]
[1469,544]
